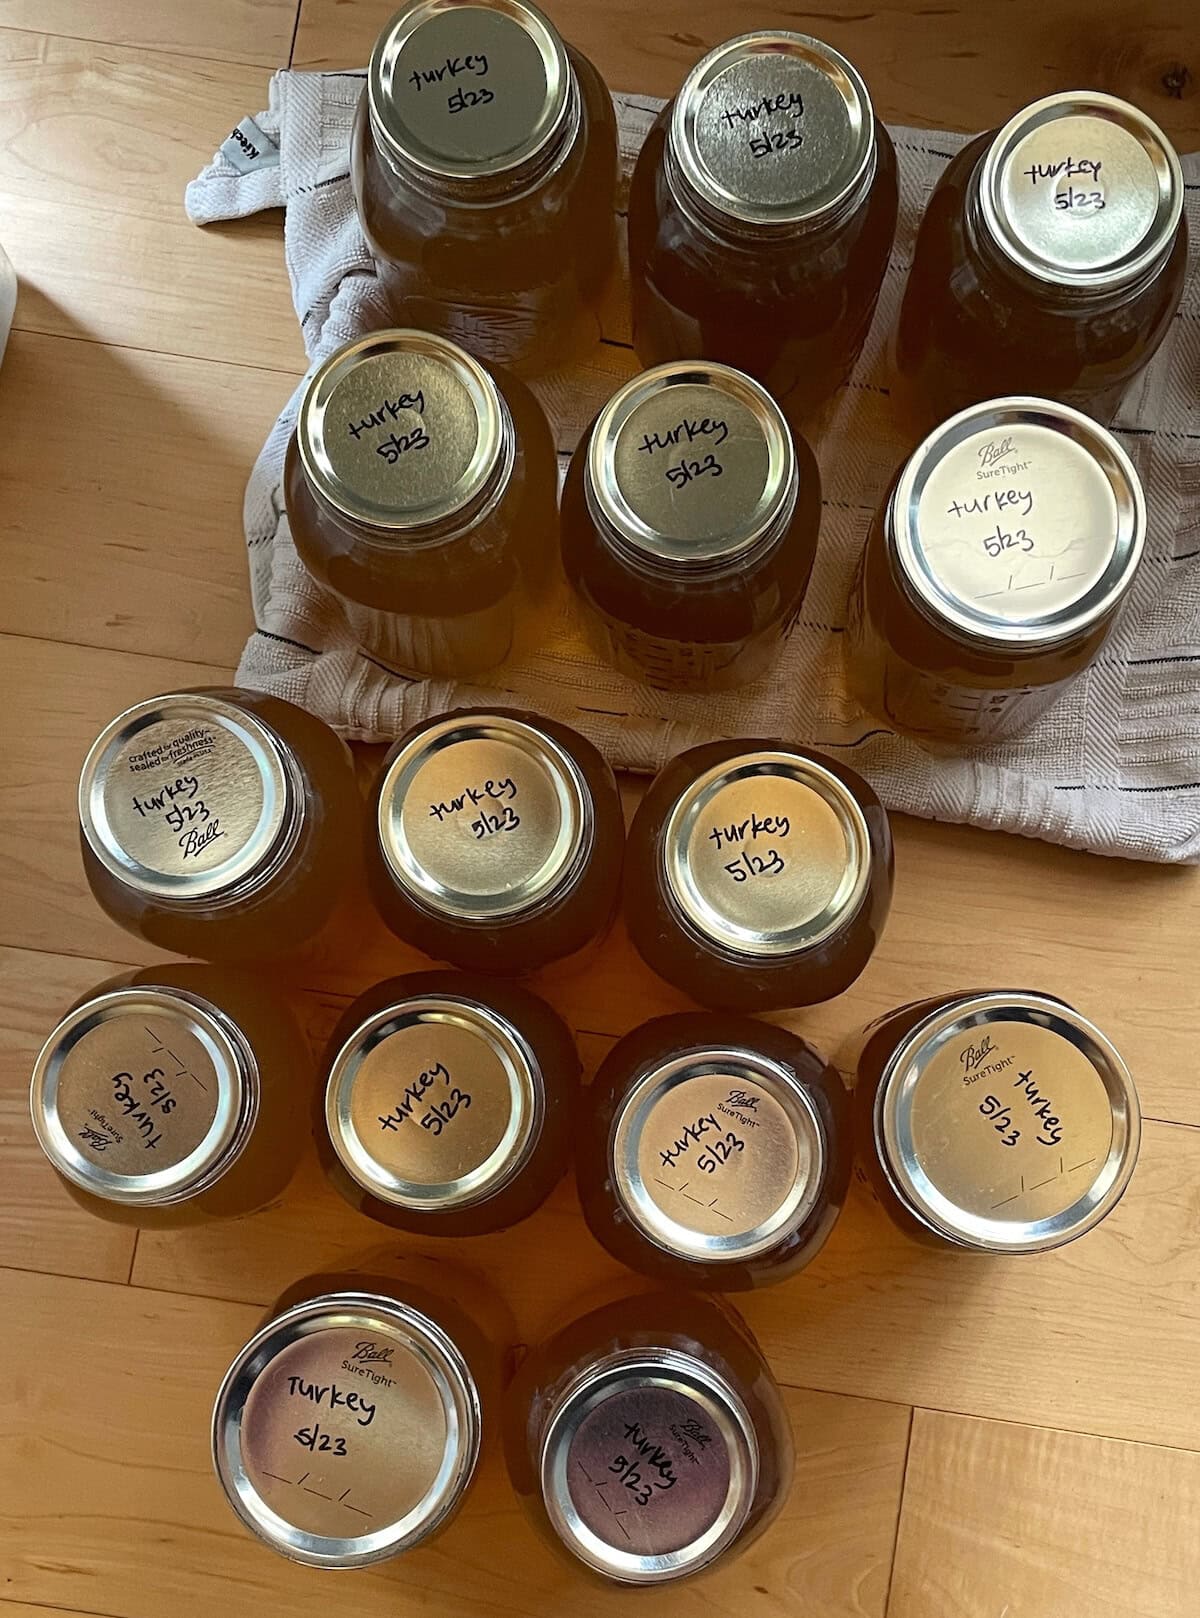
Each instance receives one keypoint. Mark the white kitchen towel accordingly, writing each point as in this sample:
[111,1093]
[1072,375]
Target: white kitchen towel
[1113,767]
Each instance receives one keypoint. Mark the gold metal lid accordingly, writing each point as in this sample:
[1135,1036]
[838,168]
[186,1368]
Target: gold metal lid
[766,855]
[690,464]
[346,1430]
[403,431]
[1007,1122]
[144,1097]
[466,93]
[717,1155]
[188,797]
[485,819]
[1082,191]
[1017,524]
[773,129]
[434,1103]
[649,1464]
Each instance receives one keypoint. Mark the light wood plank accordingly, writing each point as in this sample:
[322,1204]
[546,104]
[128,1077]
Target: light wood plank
[112,1504]
[97,144]
[122,521]
[228,30]
[41,1227]
[952,66]
[1004,1521]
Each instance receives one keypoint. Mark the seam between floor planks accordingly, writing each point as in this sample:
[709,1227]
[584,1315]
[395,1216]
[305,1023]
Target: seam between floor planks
[43,334]
[157,50]
[891,1577]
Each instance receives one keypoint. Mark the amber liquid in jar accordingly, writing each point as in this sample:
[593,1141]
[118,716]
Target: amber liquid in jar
[1050,260]
[495,841]
[662,1402]
[994,572]
[421,489]
[449,1103]
[1000,1121]
[689,528]
[413,1352]
[484,161]
[758,876]
[174,1094]
[714,1151]
[221,823]
[761,215]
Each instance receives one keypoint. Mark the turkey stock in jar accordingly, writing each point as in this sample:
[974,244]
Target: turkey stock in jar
[994,571]
[689,527]
[421,489]
[1001,1121]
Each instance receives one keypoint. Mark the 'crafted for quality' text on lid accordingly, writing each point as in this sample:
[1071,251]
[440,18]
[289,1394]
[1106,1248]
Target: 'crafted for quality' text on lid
[346,1430]
[1007,1122]
[144,1096]
[1018,524]
[190,797]
[649,1464]
[690,465]
[1081,190]
[773,130]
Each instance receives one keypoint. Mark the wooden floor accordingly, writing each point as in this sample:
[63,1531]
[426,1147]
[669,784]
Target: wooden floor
[1007,1439]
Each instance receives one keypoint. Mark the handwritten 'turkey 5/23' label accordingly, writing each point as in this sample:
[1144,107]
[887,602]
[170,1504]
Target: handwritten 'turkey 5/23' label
[494,801]
[706,430]
[343,1433]
[648,1470]
[765,139]
[433,1113]
[391,410]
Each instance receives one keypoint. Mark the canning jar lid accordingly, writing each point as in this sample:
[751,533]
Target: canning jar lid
[717,1154]
[690,464]
[1017,524]
[190,797]
[1007,1122]
[434,1103]
[765,855]
[346,1430]
[144,1097]
[472,92]
[404,432]
[774,129]
[1082,191]
[649,1465]
[485,819]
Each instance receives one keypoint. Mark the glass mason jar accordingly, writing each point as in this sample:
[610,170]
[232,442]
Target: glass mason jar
[422,490]
[714,1151]
[758,876]
[761,216]
[221,823]
[173,1094]
[689,527]
[1000,1121]
[994,571]
[1051,259]
[449,1103]
[484,162]
[495,841]
[663,1403]
[348,1429]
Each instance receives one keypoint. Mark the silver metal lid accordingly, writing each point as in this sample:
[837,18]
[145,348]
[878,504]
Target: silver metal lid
[144,1097]
[485,819]
[471,93]
[434,1103]
[1081,190]
[1018,524]
[403,431]
[717,1155]
[774,129]
[1007,1122]
[346,1430]
[649,1465]
[189,797]
[766,855]
[690,464]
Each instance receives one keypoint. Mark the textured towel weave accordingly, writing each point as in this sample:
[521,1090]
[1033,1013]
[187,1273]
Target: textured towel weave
[1114,766]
